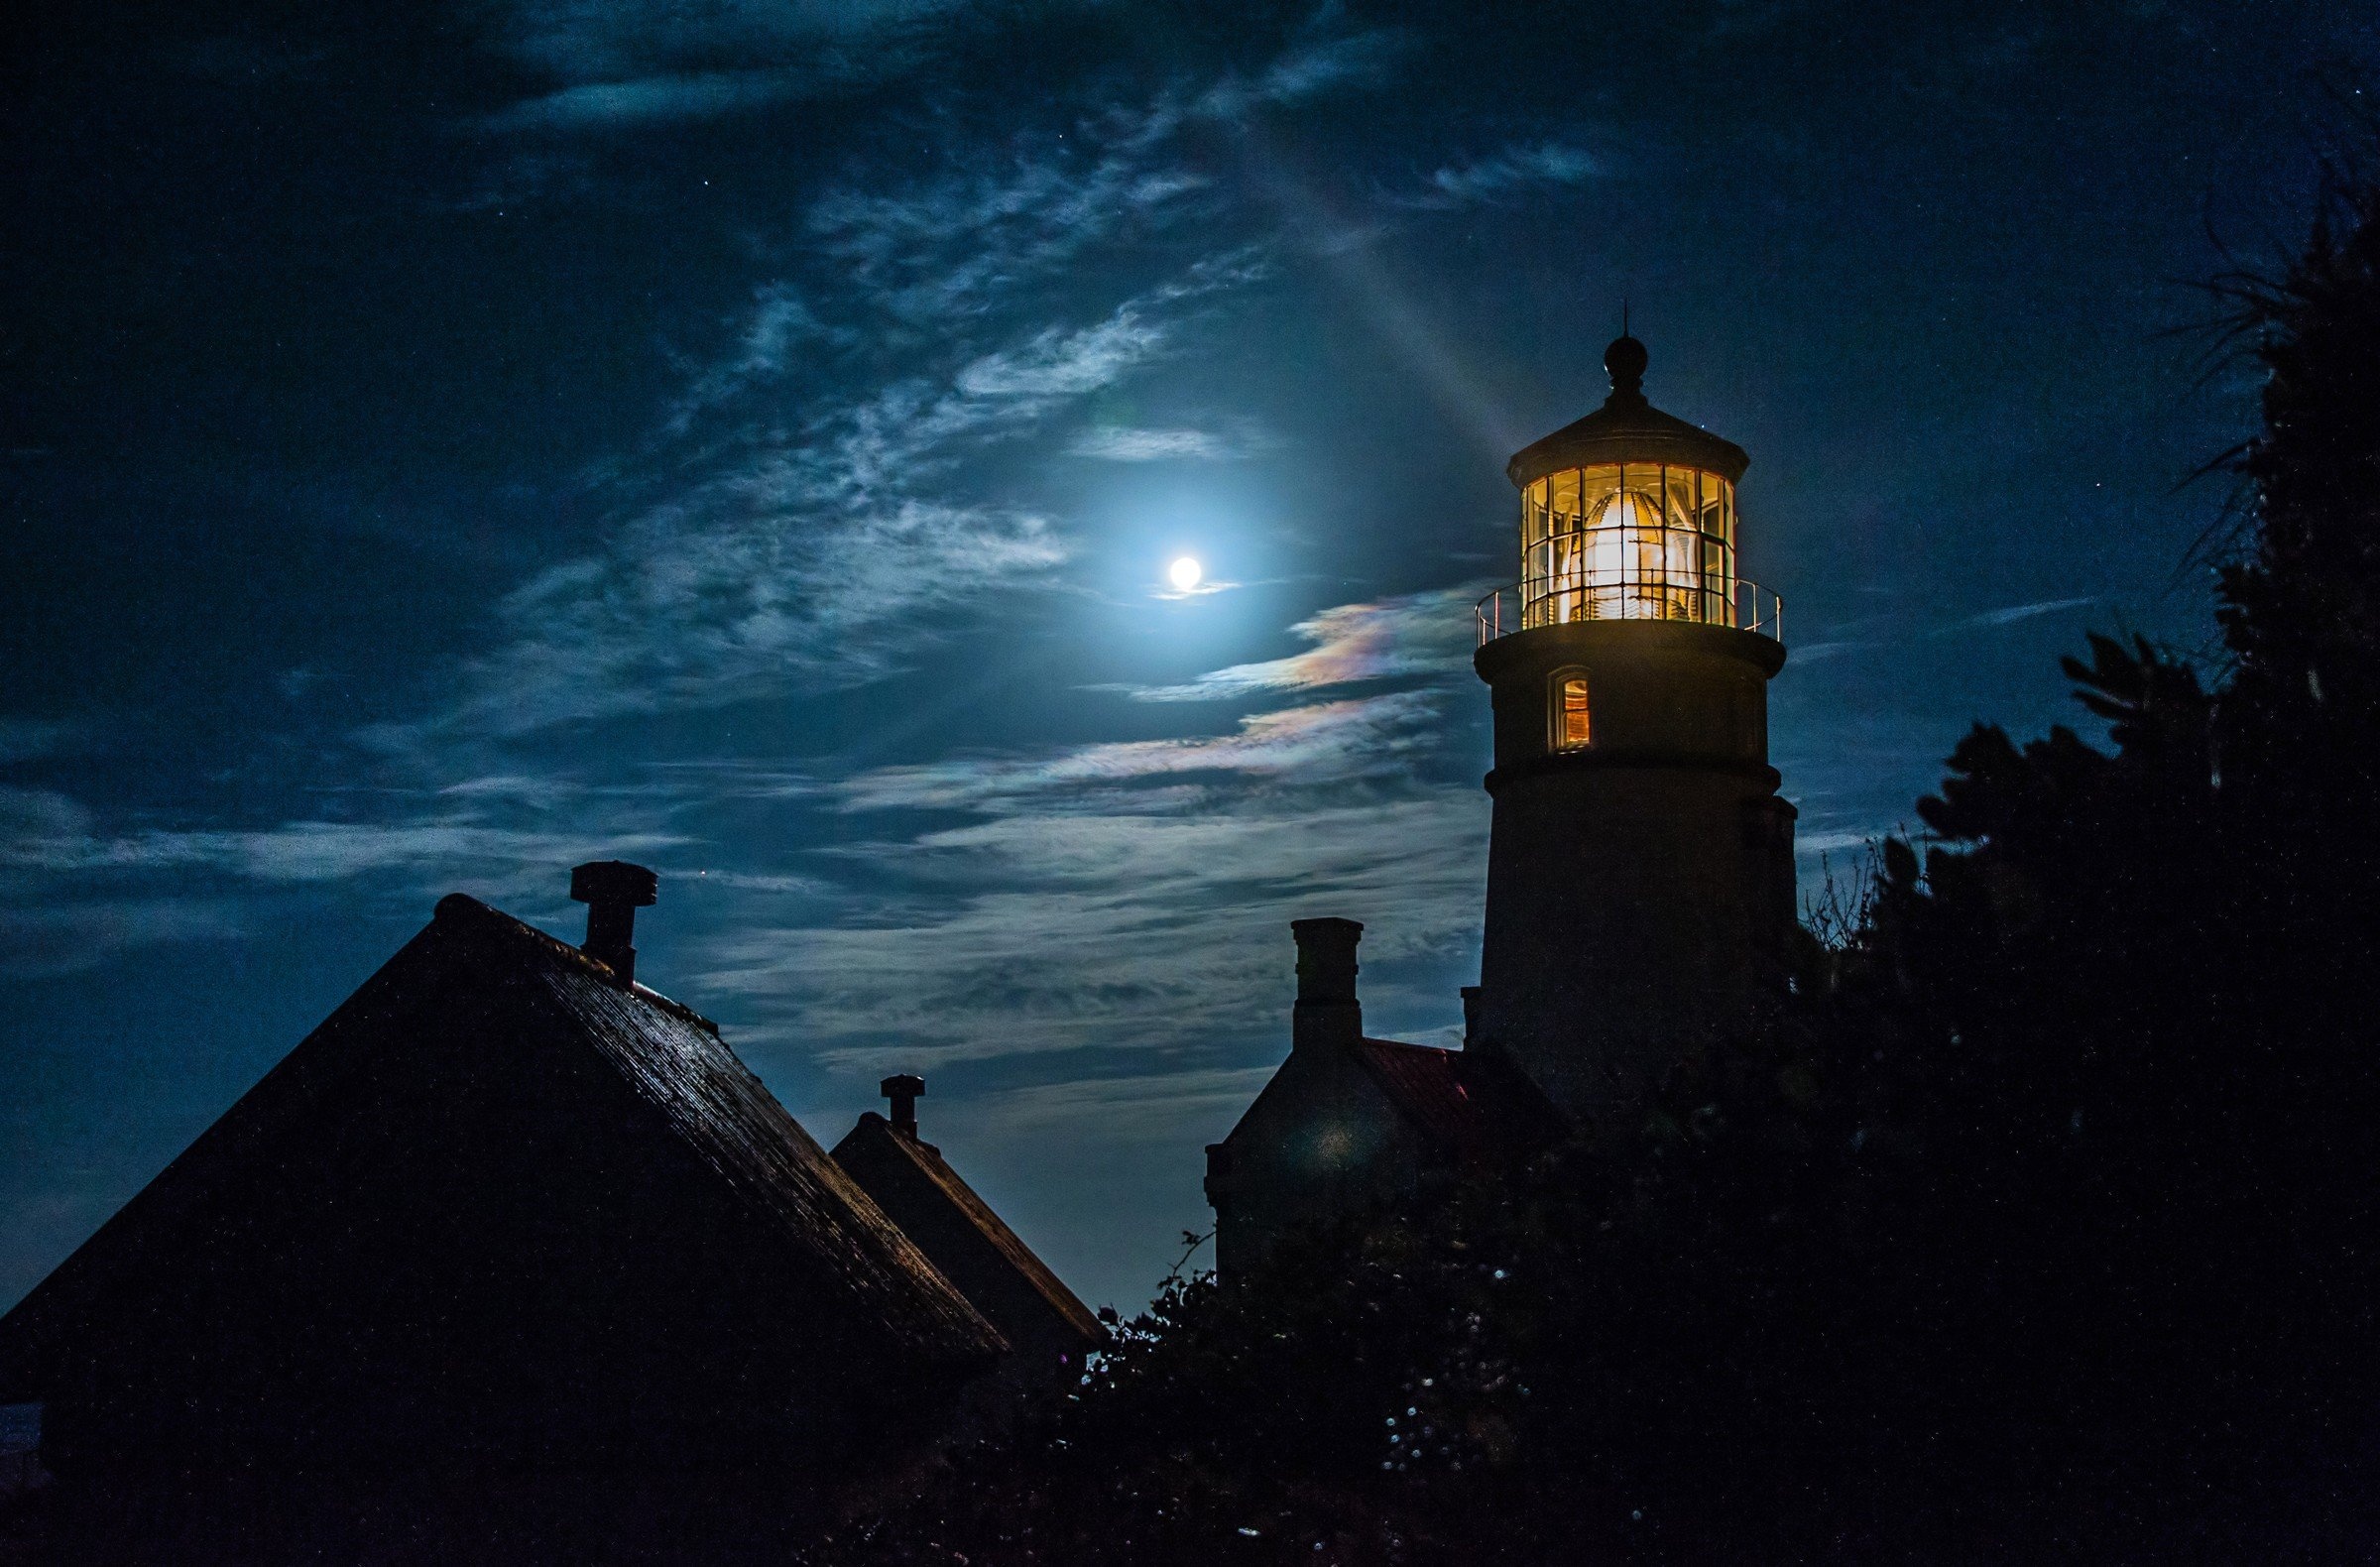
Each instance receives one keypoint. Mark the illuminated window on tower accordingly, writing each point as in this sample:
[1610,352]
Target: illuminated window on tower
[1571,732]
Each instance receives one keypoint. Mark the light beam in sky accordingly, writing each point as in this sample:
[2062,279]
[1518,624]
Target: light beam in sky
[1184,575]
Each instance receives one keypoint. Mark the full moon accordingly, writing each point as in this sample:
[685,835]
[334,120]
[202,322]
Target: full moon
[1184,575]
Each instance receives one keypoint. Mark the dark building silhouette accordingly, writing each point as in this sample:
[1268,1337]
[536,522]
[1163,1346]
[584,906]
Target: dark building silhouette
[507,1209]
[1641,863]
[1048,1330]
[1351,1122]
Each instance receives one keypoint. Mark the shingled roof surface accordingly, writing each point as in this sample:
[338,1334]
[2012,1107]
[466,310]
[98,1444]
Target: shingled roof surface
[470,1087]
[676,1060]
[997,1271]
[1467,1103]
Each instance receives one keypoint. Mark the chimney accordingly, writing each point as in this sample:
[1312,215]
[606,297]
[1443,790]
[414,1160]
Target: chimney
[904,1089]
[1327,1008]
[613,891]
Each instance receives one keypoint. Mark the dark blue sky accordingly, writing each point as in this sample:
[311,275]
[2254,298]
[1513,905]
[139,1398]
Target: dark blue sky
[749,437]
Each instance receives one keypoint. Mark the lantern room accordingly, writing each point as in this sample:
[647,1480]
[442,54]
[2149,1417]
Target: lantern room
[1617,540]
[1628,514]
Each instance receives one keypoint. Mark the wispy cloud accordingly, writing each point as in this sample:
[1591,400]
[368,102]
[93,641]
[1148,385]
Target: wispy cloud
[1825,843]
[1821,652]
[1035,925]
[75,892]
[1059,362]
[950,250]
[629,61]
[1159,930]
[825,497]
[811,554]
[1130,1109]
[307,852]
[2010,615]
[755,549]
[32,817]
[29,739]
[1120,444]
[1324,740]
[1413,635]
[1320,64]
[1205,588]
[50,939]
[652,98]
[1505,175]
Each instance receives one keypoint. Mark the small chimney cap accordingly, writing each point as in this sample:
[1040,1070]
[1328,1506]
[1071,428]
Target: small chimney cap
[903,1088]
[615,882]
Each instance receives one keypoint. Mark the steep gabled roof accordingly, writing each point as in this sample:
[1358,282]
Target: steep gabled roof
[1468,1104]
[958,1231]
[492,1098]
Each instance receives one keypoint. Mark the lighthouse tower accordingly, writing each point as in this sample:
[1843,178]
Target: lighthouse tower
[1639,867]
[1640,864]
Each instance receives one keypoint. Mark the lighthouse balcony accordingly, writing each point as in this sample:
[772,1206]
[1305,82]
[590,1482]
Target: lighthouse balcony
[1585,593]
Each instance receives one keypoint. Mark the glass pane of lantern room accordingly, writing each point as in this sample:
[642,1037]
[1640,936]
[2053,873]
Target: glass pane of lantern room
[1681,572]
[1607,569]
[1644,528]
[1532,515]
[1677,491]
[1598,485]
[1565,501]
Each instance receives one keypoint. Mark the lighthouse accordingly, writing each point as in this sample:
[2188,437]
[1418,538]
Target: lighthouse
[1640,861]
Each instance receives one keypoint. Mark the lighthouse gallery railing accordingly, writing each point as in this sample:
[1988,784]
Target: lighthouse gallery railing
[1584,595]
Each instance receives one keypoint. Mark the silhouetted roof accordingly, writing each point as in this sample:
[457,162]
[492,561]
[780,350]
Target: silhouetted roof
[1468,1103]
[490,1128]
[1627,428]
[958,1231]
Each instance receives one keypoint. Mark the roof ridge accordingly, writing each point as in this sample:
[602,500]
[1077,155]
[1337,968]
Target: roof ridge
[1407,1044]
[939,1172]
[463,909]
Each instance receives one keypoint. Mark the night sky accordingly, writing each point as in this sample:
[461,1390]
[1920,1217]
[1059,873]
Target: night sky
[444,443]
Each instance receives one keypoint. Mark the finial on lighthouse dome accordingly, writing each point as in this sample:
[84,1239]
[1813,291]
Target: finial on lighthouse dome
[1625,360]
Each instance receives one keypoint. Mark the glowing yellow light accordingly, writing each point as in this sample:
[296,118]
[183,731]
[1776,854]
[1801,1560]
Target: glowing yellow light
[1184,575]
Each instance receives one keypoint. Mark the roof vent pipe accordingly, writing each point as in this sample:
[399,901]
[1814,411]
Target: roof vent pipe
[904,1089]
[613,891]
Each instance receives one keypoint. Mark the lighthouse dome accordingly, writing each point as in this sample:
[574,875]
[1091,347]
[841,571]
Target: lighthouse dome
[1627,428]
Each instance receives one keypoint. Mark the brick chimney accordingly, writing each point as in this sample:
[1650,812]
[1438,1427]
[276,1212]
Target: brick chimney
[613,891]
[1327,1008]
[904,1089]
